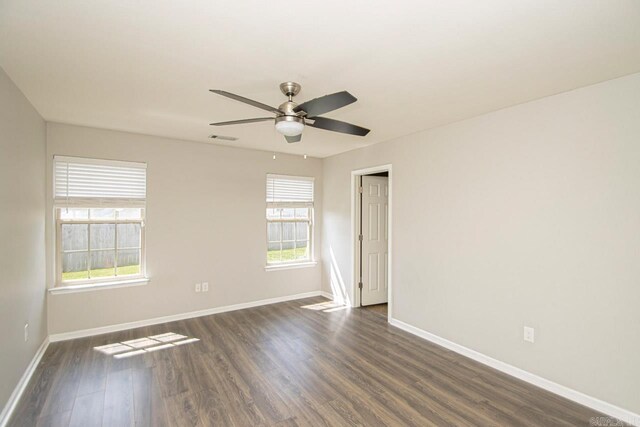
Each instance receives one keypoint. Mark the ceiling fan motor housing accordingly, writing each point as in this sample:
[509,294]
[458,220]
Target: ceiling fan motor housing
[288,107]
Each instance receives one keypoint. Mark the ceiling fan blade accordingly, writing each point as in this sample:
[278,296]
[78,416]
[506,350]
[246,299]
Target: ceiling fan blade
[326,103]
[239,122]
[337,126]
[291,139]
[247,101]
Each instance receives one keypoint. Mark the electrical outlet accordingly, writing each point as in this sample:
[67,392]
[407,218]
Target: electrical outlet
[198,287]
[205,286]
[26,332]
[529,334]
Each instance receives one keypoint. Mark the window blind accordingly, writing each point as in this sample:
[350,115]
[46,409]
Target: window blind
[91,182]
[283,189]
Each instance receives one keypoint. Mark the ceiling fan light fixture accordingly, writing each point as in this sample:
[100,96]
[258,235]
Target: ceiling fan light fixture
[289,125]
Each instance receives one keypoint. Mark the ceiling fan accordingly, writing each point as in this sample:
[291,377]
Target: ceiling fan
[291,118]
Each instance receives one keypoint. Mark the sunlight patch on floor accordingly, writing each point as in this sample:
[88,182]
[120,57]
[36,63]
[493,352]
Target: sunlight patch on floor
[326,306]
[121,350]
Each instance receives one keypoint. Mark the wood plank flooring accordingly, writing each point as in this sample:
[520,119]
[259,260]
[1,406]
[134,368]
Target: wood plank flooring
[299,363]
[380,309]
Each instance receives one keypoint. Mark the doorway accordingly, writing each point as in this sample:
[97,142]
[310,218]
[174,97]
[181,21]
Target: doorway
[372,237]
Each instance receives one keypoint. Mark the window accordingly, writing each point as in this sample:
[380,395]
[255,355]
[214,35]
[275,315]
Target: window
[289,219]
[100,212]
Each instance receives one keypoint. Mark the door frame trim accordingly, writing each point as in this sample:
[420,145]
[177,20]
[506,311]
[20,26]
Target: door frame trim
[355,247]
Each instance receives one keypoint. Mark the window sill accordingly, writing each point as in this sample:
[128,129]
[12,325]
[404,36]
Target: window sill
[276,267]
[69,289]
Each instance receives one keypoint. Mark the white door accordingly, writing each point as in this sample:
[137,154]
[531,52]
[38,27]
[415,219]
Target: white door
[374,254]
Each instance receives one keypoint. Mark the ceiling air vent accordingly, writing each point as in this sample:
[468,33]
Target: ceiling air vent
[224,138]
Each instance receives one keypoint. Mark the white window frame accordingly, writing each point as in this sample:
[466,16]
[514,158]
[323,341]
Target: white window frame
[309,222]
[310,227]
[89,222]
[79,183]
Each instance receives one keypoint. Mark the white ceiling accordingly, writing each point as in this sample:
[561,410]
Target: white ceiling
[146,66]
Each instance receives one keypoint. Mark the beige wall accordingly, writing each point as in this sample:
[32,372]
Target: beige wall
[526,216]
[22,263]
[205,222]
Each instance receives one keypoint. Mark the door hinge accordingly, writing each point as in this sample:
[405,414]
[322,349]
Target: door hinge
[360,238]
[361,190]
[359,285]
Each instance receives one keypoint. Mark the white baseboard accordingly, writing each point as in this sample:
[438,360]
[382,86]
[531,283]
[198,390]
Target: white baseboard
[138,324]
[566,392]
[22,384]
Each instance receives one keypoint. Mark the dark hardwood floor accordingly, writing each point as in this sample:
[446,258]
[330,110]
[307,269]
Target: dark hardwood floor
[302,362]
[380,309]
